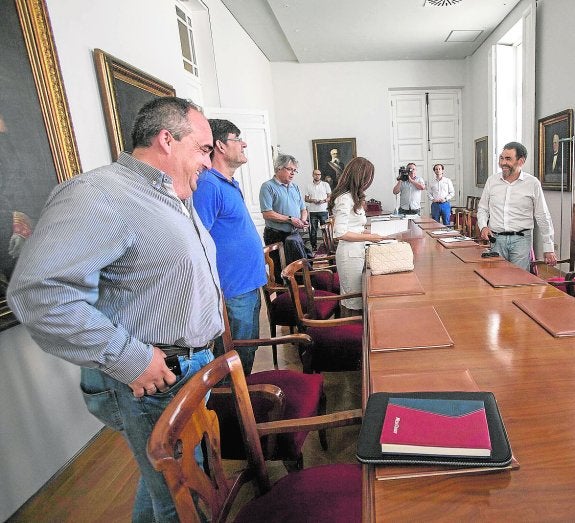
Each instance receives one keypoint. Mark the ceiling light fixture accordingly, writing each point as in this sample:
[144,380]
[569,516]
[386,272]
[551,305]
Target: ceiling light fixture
[441,3]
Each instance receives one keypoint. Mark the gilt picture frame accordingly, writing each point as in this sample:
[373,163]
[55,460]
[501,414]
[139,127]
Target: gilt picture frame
[37,145]
[124,90]
[481,161]
[331,155]
[555,151]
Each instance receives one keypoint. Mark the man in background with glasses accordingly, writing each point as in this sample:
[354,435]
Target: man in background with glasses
[284,211]
[239,256]
[409,189]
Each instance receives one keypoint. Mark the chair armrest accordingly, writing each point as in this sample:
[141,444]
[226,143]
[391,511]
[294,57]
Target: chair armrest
[333,322]
[323,268]
[299,339]
[322,258]
[276,288]
[263,390]
[543,262]
[335,419]
[338,297]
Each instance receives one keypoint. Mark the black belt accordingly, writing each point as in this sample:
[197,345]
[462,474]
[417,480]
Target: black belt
[176,350]
[409,211]
[512,233]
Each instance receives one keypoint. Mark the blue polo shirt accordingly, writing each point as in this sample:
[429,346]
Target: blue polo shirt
[284,199]
[220,205]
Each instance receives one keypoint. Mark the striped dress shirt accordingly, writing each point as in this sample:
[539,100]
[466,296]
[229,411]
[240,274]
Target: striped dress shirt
[115,264]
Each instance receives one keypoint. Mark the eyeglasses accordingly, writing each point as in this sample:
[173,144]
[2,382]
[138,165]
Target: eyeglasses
[291,170]
[238,139]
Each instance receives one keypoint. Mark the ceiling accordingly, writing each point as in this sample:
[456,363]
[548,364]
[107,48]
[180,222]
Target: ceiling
[359,30]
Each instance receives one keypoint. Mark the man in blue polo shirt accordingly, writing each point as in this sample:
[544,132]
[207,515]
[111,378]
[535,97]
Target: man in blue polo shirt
[284,211]
[220,204]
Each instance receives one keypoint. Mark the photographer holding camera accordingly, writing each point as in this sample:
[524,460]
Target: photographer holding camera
[409,186]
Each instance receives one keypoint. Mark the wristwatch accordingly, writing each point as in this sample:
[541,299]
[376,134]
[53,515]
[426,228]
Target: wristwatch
[289,219]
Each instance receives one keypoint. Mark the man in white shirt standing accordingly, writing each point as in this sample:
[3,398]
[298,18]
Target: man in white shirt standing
[510,203]
[440,191]
[316,196]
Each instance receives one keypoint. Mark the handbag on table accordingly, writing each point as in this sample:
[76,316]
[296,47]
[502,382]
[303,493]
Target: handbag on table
[387,258]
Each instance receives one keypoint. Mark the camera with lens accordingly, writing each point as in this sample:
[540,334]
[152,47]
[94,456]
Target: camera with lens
[403,174]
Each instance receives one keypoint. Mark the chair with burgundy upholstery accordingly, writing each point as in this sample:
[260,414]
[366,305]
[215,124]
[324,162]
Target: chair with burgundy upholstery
[325,493]
[298,395]
[373,207]
[563,281]
[337,342]
[280,310]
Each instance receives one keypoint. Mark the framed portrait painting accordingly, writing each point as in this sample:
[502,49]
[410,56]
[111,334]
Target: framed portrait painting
[37,145]
[331,156]
[481,161]
[555,151]
[124,89]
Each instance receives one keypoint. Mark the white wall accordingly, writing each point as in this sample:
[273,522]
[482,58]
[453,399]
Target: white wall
[244,73]
[477,99]
[44,421]
[555,71]
[350,100]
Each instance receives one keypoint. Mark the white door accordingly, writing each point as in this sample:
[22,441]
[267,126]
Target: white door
[426,129]
[255,129]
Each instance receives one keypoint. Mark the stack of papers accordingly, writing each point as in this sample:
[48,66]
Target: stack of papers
[457,239]
[381,241]
[443,232]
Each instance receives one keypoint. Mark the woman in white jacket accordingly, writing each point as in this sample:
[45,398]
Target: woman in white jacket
[347,206]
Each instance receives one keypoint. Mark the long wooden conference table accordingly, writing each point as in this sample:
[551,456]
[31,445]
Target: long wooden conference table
[531,373]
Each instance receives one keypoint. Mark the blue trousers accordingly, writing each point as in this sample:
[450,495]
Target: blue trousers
[516,249]
[244,318]
[113,403]
[441,210]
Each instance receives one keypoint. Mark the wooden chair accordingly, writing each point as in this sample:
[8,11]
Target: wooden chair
[295,395]
[464,219]
[326,493]
[337,342]
[563,281]
[279,306]
[373,207]
[330,245]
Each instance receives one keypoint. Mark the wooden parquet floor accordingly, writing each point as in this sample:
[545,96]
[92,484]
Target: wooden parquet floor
[100,484]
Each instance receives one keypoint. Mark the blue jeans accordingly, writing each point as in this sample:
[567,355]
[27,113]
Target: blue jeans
[516,249]
[244,318]
[441,210]
[113,403]
[315,220]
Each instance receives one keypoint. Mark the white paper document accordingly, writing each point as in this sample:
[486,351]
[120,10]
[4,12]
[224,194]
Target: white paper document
[457,239]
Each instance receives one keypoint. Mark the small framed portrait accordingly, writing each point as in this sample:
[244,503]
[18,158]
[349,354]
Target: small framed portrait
[555,150]
[124,89]
[331,156]
[481,161]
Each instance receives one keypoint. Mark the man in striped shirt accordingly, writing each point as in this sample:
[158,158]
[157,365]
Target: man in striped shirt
[120,273]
